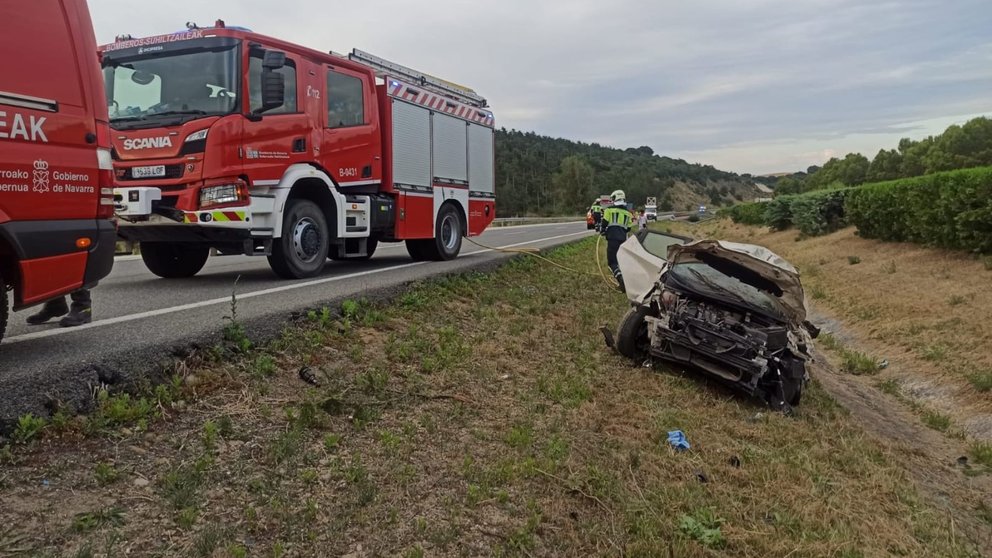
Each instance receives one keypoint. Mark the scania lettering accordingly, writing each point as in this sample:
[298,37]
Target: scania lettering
[147,143]
[245,144]
[56,169]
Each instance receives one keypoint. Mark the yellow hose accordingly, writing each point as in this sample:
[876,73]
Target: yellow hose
[534,252]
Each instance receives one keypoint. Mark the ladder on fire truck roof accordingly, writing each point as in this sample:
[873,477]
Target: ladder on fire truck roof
[446,88]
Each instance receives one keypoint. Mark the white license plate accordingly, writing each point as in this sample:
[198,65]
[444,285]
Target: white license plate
[148,172]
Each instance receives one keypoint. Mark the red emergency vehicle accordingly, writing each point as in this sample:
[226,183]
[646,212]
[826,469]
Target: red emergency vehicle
[231,140]
[56,197]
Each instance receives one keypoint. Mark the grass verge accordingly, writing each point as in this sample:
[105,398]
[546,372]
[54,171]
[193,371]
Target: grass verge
[477,415]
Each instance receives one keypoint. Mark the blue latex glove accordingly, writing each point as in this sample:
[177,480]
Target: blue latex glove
[678,440]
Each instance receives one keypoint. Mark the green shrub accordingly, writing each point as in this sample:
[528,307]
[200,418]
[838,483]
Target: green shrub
[778,213]
[747,213]
[820,212]
[948,209]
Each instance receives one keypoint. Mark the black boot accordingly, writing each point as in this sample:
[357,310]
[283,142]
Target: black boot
[82,310]
[51,309]
[77,318]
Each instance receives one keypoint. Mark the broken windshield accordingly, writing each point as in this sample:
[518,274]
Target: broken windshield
[188,83]
[702,279]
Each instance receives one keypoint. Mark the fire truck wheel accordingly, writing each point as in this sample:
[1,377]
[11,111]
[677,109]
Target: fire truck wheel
[448,235]
[302,250]
[3,307]
[174,260]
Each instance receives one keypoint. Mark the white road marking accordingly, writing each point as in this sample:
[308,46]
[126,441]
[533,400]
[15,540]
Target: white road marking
[244,296]
[510,229]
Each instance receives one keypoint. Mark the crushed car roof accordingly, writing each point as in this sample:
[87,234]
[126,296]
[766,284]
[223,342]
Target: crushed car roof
[758,259]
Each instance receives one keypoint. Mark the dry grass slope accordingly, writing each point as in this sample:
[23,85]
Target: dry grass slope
[478,415]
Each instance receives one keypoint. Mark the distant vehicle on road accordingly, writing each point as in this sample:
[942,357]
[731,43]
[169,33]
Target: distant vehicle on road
[702,209]
[651,209]
[247,144]
[56,201]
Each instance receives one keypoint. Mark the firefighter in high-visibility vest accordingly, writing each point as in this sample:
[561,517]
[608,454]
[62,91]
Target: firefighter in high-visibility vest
[615,226]
[597,213]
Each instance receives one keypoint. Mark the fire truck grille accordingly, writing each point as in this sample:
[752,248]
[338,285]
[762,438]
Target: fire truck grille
[171,171]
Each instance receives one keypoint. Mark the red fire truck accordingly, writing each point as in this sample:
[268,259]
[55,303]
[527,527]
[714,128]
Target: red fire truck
[56,233]
[245,144]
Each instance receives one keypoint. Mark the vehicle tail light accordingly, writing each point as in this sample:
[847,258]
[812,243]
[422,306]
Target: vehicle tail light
[105,172]
[231,193]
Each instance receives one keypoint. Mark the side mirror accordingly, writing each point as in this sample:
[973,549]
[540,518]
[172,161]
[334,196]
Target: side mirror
[273,59]
[273,90]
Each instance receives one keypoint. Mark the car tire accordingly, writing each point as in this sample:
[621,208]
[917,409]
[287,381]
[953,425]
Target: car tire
[174,260]
[447,241]
[590,226]
[302,250]
[3,307]
[632,336]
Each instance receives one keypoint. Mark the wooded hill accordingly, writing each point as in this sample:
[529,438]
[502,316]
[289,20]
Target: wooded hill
[541,175]
[959,147]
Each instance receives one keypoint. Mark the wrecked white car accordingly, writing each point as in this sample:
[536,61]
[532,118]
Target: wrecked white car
[734,311]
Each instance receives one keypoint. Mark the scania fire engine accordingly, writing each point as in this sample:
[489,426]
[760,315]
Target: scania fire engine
[229,140]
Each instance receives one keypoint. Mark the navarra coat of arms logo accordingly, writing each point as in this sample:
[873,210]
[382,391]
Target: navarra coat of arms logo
[41,176]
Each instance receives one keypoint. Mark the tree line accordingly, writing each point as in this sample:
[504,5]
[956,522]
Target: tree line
[541,175]
[959,147]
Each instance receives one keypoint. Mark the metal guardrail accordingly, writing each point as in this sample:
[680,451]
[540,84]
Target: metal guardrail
[507,221]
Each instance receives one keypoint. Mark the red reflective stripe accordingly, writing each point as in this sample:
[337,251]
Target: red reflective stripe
[233,216]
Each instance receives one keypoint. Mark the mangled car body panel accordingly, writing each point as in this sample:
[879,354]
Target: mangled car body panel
[735,311]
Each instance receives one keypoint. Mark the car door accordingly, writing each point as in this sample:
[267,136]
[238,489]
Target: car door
[642,260]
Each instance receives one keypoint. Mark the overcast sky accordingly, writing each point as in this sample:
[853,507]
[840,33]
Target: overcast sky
[745,85]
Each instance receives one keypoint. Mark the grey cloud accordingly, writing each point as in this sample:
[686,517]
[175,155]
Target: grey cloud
[745,85]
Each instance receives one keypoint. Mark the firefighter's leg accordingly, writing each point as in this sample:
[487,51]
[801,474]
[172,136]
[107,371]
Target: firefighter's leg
[82,309]
[612,247]
[52,309]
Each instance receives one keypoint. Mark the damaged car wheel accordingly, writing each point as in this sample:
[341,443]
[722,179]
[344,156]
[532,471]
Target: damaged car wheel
[632,338]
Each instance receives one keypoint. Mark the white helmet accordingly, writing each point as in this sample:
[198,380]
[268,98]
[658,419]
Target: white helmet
[618,197]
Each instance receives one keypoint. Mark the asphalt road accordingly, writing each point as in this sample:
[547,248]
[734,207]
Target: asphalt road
[139,319]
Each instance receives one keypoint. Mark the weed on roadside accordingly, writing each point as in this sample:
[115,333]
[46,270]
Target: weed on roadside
[890,386]
[28,427]
[937,421]
[955,300]
[858,363]
[828,341]
[89,521]
[981,381]
[105,474]
[853,260]
[890,268]
[703,527]
[981,452]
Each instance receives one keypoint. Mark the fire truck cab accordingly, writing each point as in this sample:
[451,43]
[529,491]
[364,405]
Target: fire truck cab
[229,140]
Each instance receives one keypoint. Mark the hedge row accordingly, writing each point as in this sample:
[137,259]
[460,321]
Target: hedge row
[815,213]
[949,209]
[746,213]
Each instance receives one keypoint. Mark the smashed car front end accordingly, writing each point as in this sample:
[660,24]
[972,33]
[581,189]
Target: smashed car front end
[734,311]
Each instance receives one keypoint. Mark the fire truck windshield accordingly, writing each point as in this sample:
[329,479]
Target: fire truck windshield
[143,90]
